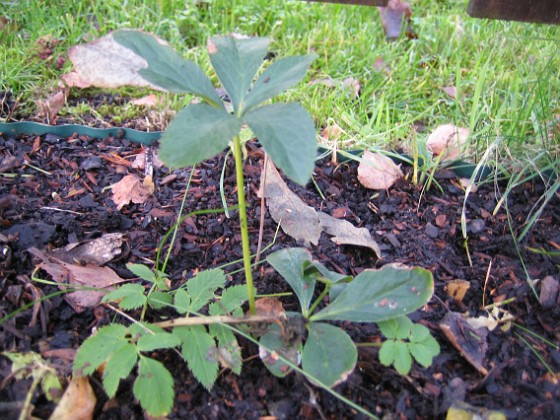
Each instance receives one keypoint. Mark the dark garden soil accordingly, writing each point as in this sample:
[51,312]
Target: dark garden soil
[54,192]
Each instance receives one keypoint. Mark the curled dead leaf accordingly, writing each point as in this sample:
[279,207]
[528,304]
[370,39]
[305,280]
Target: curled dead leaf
[88,275]
[303,222]
[51,106]
[78,401]
[115,65]
[469,341]
[128,189]
[377,171]
[447,140]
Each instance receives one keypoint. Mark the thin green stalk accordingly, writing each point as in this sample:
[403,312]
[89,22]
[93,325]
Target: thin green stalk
[243,223]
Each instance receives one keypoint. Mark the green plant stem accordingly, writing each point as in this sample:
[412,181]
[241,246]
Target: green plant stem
[318,300]
[243,223]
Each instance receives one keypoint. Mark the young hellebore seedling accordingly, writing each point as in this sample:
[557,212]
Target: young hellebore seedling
[198,132]
[204,129]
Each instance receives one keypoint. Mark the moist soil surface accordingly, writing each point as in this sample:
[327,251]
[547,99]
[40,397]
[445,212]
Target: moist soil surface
[54,192]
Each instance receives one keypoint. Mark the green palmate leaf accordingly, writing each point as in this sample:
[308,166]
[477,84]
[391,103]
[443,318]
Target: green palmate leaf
[418,333]
[236,62]
[280,76]
[289,264]
[396,352]
[402,359]
[199,350]
[182,301]
[422,345]
[142,271]
[396,328]
[166,68]
[379,295]
[198,132]
[231,300]
[287,133]
[329,354]
[97,348]
[229,352]
[202,287]
[161,340]
[158,300]
[154,387]
[120,364]
[129,296]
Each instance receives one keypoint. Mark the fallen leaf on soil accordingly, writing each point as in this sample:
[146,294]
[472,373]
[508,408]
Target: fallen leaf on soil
[149,100]
[296,218]
[88,275]
[52,105]
[392,18]
[496,317]
[377,171]
[115,65]
[549,295]
[303,222]
[77,403]
[469,341]
[456,289]
[146,154]
[345,233]
[128,189]
[96,251]
[447,139]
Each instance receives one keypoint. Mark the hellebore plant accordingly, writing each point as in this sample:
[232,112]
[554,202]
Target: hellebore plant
[205,129]
[326,352]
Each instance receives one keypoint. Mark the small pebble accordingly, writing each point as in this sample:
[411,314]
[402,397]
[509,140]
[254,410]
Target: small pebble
[476,226]
[90,163]
[432,231]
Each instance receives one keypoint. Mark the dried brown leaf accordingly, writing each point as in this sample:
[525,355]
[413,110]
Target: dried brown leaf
[392,18]
[447,140]
[51,106]
[97,251]
[128,189]
[457,289]
[469,341]
[296,218]
[88,275]
[107,64]
[451,91]
[304,223]
[77,403]
[345,233]
[147,101]
[377,171]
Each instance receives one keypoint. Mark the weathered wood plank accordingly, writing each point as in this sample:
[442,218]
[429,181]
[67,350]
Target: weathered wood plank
[356,2]
[538,11]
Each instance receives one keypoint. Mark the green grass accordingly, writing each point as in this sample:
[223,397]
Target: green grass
[507,74]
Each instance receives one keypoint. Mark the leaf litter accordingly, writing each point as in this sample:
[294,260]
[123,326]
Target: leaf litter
[304,223]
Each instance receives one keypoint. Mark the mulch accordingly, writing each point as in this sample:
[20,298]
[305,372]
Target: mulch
[54,192]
